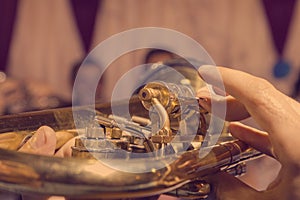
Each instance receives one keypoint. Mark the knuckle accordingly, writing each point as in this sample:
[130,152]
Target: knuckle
[263,91]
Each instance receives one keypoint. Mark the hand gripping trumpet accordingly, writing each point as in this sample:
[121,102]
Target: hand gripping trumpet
[161,149]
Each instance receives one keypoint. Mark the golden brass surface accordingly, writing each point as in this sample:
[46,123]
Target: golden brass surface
[86,177]
[175,157]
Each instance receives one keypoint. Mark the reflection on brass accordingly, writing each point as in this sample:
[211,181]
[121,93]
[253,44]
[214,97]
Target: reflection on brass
[141,120]
[13,140]
[193,190]
[63,137]
[116,133]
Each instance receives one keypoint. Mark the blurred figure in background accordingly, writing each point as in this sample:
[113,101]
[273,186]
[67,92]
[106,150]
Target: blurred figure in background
[159,55]
[90,70]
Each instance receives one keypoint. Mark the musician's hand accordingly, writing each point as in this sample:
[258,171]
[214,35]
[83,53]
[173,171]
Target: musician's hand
[43,142]
[277,114]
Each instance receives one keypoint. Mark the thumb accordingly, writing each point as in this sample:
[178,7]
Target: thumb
[43,142]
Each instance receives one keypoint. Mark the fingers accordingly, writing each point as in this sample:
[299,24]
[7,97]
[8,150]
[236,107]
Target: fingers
[235,110]
[276,113]
[62,137]
[260,98]
[253,137]
[43,142]
[66,149]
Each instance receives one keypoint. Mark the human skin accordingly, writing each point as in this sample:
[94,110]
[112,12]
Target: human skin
[277,114]
[43,142]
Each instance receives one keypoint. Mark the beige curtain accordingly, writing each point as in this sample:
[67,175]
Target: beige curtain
[235,33]
[45,44]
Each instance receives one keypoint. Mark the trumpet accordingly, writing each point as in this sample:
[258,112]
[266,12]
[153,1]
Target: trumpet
[161,150]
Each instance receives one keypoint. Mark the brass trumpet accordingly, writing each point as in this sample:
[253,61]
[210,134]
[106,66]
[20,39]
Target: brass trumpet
[160,149]
[85,176]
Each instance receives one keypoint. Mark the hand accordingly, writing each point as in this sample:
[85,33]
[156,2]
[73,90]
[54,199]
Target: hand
[43,142]
[277,114]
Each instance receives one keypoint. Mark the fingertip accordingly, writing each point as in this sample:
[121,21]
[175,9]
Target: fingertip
[47,132]
[237,130]
[234,125]
[43,142]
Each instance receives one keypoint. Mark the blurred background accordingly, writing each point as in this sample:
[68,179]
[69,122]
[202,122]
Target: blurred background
[42,42]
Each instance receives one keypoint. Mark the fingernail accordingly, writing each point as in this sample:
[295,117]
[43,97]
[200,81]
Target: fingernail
[38,140]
